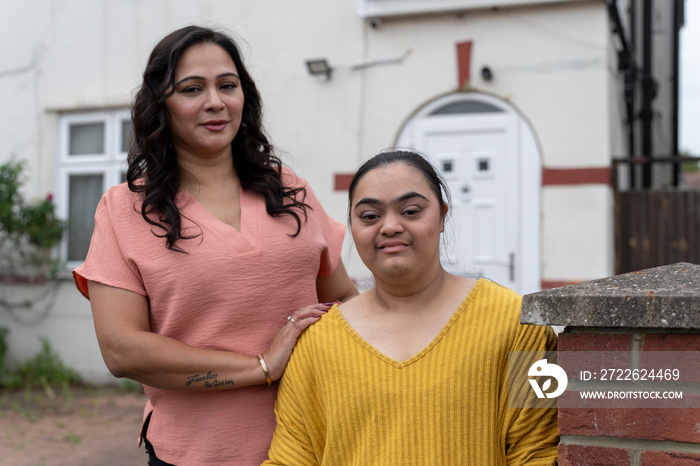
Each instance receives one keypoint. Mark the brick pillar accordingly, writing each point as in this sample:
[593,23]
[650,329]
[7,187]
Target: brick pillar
[653,310]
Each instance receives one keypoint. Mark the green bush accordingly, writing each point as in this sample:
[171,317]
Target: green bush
[45,370]
[27,229]
[7,378]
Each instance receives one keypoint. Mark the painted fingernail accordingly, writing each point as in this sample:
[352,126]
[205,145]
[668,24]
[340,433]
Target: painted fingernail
[328,304]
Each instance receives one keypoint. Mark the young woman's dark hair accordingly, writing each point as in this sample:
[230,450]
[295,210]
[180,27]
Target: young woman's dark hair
[412,159]
[153,168]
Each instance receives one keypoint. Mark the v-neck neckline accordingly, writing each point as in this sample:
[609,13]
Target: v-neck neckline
[249,224]
[425,350]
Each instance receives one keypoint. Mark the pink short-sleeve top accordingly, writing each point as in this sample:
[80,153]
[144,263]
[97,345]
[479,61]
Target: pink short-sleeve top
[231,290]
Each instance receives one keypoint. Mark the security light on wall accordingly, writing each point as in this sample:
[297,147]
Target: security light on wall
[319,67]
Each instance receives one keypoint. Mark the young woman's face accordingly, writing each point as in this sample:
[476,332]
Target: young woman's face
[396,221]
[207,106]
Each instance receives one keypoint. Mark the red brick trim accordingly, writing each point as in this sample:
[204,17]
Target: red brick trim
[464,55]
[573,176]
[342,181]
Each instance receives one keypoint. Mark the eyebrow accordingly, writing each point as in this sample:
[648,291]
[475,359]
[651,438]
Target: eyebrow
[405,197]
[202,78]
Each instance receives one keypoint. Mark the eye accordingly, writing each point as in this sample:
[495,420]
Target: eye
[369,217]
[411,211]
[229,86]
[190,90]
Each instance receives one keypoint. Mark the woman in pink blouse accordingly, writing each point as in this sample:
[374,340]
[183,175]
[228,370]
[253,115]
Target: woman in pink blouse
[204,264]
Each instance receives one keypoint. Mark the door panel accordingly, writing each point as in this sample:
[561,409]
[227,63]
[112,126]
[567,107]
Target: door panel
[477,157]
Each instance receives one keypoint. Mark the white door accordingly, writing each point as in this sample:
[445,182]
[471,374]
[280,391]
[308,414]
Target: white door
[477,155]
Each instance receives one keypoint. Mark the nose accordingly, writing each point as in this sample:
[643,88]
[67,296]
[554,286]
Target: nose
[214,101]
[391,224]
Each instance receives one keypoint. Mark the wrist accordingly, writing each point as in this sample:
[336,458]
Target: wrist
[266,372]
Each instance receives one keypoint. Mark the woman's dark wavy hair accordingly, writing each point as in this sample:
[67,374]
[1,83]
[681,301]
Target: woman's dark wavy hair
[152,165]
[412,159]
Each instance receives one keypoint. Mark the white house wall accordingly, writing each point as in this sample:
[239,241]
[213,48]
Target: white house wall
[68,328]
[550,62]
[579,232]
[21,31]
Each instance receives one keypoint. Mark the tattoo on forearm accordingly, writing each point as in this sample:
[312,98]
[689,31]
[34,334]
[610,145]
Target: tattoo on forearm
[208,381]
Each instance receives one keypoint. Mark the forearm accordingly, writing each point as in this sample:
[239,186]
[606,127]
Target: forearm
[163,362]
[130,349]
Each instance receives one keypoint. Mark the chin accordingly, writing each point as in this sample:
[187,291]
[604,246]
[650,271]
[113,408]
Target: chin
[396,270]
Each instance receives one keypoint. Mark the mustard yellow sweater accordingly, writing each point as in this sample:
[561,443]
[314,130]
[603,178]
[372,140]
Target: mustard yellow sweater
[342,402]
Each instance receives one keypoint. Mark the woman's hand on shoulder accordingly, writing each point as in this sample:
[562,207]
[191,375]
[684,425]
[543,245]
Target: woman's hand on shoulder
[277,355]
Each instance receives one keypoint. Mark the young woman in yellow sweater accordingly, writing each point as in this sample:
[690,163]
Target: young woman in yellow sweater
[414,370]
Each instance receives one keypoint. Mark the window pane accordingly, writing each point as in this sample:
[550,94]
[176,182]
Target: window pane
[86,138]
[126,135]
[85,192]
[466,106]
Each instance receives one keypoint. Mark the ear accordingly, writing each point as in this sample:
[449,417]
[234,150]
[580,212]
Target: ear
[445,209]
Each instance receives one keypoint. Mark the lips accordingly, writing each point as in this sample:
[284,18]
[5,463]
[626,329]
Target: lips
[392,246]
[215,125]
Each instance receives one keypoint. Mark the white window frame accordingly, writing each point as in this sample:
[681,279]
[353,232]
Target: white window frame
[388,8]
[111,163]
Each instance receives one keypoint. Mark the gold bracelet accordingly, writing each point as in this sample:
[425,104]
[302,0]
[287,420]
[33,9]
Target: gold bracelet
[264,368]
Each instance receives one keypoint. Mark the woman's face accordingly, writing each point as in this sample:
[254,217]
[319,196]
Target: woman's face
[207,106]
[396,221]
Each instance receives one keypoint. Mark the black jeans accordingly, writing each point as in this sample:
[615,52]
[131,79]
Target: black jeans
[152,458]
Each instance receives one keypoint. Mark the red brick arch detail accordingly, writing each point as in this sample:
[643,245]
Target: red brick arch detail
[576,176]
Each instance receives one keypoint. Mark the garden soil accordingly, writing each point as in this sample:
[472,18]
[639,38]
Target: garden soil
[85,426]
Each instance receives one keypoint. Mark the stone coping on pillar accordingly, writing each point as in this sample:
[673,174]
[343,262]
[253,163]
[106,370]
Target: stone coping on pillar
[662,297]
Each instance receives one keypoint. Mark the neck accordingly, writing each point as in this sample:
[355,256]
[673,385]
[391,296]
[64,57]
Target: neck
[199,174]
[399,293]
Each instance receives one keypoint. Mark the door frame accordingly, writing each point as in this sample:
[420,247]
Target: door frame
[529,160]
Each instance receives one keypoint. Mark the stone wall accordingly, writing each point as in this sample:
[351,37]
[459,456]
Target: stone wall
[656,310]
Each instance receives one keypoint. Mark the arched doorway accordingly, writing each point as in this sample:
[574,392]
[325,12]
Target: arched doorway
[489,157]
